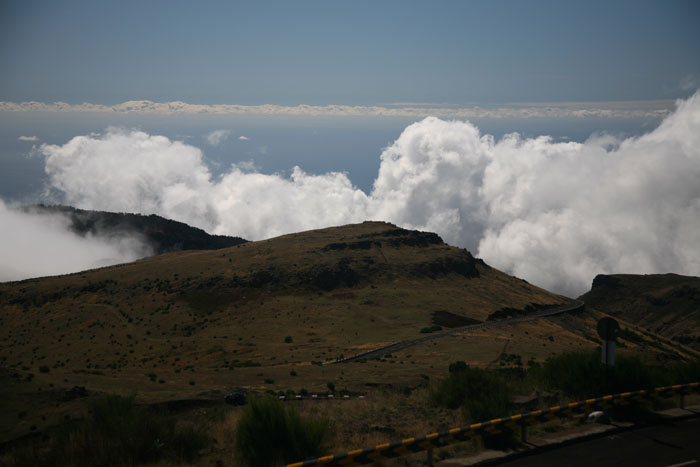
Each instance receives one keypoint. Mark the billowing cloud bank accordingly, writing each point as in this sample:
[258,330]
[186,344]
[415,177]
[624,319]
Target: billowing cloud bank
[33,245]
[555,214]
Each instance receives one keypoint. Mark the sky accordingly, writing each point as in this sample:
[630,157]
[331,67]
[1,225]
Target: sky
[353,53]
[556,140]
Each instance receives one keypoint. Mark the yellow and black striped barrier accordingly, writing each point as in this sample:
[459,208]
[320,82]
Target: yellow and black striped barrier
[455,435]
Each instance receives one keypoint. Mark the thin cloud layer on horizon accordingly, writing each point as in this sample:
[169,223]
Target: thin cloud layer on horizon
[554,213]
[632,109]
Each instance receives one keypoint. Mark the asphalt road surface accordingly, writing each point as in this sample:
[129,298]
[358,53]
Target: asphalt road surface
[574,305]
[671,444]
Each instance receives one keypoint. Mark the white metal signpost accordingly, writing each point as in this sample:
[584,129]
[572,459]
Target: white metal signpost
[608,330]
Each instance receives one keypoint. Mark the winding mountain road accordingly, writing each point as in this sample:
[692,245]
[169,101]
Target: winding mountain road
[575,305]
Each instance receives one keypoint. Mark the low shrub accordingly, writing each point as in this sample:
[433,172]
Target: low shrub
[270,434]
[685,372]
[481,394]
[457,366]
[119,433]
[581,374]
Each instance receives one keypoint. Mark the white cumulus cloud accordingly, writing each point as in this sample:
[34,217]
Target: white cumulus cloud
[28,138]
[216,137]
[131,171]
[243,138]
[554,213]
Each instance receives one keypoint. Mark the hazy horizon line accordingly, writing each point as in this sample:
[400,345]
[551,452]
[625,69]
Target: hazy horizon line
[612,109]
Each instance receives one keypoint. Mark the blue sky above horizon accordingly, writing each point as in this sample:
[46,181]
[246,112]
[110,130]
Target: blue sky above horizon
[352,53]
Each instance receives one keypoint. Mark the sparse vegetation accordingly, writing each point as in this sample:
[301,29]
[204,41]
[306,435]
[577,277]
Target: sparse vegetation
[665,303]
[481,394]
[687,371]
[118,432]
[228,323]
[510,358]
[581,374]
[270,434]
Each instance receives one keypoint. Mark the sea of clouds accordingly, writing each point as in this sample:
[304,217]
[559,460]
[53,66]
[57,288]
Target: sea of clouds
[34,245]
[554,213]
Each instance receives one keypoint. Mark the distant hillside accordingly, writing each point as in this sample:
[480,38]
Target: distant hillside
[266,315]
[163,235]
[667,304]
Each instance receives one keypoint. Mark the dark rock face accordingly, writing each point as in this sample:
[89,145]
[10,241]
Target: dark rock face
[450,320]
[415,238]
[508,313]
[464,266]
[393,238]
[163,235]
[328,278]
[603,281]
[361,245]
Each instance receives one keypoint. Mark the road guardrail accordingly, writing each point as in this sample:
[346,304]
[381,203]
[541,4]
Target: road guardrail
[431,441]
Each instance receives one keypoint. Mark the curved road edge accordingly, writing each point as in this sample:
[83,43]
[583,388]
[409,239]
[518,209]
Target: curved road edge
[573,305]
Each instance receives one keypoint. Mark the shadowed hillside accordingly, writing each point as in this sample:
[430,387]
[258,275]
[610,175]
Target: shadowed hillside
[162,235]
[667,304]
[265,316]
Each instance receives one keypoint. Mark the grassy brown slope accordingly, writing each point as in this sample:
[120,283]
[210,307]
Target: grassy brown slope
[194,324]
[666,304]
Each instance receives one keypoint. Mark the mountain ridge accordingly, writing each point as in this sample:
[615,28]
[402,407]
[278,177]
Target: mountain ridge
[667,304]
[161,234]
[264,316]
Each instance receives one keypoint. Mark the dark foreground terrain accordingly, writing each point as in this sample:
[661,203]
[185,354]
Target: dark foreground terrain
[176,332]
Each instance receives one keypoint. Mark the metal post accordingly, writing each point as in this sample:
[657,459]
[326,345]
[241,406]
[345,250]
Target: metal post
[429,462]
[682,399]
[523,432]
